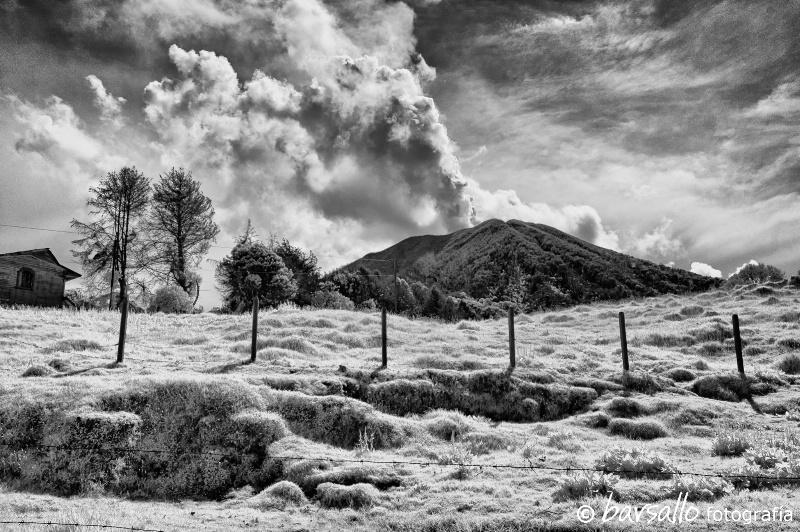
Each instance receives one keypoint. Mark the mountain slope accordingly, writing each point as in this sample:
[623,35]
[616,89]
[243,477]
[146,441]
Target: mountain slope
[534,263]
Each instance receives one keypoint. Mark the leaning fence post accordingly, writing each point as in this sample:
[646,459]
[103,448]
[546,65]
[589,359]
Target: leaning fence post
[512,348]
[123,329]
[384,355]
[623,340]
[254,342]
[737,342]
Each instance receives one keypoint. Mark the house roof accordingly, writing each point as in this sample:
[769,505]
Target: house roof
[46,255]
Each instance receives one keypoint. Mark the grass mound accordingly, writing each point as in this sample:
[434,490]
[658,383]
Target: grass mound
[493,394]
[338,420]
[215,431]
[680,375]
[284,492]
[357,496]
[38,371]
[349,477]
[448,425]
[731,387]
[637,429]
[625,407]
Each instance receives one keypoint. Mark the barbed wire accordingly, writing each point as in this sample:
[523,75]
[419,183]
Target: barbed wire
[55,523]
[422,463]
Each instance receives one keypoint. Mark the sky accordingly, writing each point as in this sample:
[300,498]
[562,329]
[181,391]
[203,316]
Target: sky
[664,129]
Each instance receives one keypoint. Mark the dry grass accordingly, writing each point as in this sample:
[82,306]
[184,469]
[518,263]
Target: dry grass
[446,398]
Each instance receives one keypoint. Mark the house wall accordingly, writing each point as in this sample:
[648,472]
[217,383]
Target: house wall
[48,282]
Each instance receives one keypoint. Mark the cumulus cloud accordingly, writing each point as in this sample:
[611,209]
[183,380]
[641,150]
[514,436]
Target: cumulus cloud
[110,107]
[701,268]
[582,221]
[658,243]
[54,132]
[740,268]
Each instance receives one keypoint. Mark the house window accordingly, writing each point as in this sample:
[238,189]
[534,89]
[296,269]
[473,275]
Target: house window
[25,279]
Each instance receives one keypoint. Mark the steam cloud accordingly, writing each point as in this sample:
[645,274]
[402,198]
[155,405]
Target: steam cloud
[329,139]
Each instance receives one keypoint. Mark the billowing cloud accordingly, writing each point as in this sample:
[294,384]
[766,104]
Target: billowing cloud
[658,243]
[701,268]
[110,107]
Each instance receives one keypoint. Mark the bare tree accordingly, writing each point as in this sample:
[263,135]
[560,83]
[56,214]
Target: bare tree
[113,242]
[180,230]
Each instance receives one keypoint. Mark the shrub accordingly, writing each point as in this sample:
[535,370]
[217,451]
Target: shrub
[700,364]
[356,496]
[632,463]
[698,488]
[331,299]
[595,420]
[625,407]
[724,387]
[673,317]
[76,344]
[59,364]
[680,375]
[587,484]
[564,441]
[790,364]
[171,299]
[637,429]
[642,382]
[730,443]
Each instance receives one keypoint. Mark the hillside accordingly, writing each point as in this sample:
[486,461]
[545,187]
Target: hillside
[542,265]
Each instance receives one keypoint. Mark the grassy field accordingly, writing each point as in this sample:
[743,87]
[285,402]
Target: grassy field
[278,444]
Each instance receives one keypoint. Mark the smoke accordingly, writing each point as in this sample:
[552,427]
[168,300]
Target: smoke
[314,122]
[701,268]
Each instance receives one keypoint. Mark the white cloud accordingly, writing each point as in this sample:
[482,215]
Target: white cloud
[110,107]
[658,243]
[701,268]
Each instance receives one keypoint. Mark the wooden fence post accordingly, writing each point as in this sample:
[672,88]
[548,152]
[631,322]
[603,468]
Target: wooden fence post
[737,341]
[123,330]
[254,341]
[623,340]
[512,347]
[384,355]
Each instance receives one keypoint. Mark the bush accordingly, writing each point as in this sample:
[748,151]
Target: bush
[171,299]
[637,429]
[790,364]
[730,443]
[691,311]
[485,442]
[698,488]
[632,463]
[356,496]
[587,484]
[331,299]
[724,387]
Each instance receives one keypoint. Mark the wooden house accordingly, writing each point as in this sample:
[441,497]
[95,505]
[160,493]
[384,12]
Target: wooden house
[34,278]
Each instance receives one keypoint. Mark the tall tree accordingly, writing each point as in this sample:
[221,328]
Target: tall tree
[304,270]
[180,229]
[112,244]
[253,270]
